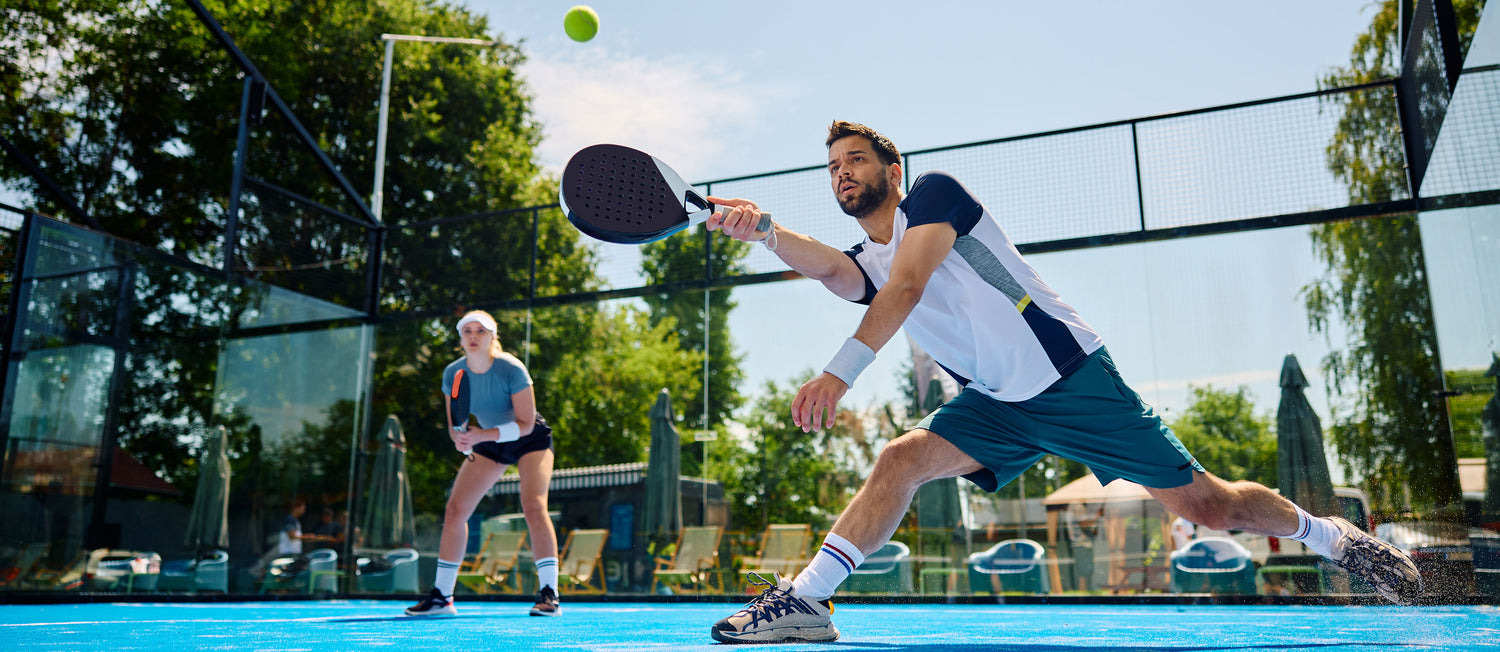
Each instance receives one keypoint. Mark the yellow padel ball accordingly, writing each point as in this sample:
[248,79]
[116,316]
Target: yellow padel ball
[581,23]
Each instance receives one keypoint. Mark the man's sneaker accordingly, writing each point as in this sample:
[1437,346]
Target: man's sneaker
[546,603]
[1385,567]
[778,615]
[435,604]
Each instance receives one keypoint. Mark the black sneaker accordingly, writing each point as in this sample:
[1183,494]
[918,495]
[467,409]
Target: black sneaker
[1393,574]
[546,603]
[778,615]
[435,604]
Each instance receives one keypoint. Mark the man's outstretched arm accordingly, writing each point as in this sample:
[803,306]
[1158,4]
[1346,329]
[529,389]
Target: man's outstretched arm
[921,250]
[802,253]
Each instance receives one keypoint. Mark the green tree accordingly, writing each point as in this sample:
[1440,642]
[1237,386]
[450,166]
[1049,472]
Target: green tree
[681,258]
[601,396]
[777,473]
[1220,428]
[132,107]
[1466,409]
[1396,431]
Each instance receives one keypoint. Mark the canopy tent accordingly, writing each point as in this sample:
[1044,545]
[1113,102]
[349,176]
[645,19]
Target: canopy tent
[1114,505]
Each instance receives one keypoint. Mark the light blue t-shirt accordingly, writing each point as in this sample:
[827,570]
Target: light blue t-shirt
[490,392]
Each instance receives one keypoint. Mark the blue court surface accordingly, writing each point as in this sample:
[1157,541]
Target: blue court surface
[611,626]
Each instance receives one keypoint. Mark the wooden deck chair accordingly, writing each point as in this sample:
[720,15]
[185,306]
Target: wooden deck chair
[580,561]
[19,568]
[783,550]
[65,578]
[697,554]
[493,568]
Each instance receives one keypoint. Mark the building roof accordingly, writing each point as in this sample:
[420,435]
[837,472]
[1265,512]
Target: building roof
[1088,490]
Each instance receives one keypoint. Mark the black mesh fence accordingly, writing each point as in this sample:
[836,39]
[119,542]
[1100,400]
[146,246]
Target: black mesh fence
[1048,187]
[1253,161]
[1424,87]
[290,241]
[451,263]
[1463,161]
[1078,187]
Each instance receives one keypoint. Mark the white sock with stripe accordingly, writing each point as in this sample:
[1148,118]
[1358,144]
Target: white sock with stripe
[447,576]
[1316,533]
[829,568]
[546,573]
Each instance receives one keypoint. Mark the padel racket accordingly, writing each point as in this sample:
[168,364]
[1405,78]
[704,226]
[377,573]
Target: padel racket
[626,196]
[458,405]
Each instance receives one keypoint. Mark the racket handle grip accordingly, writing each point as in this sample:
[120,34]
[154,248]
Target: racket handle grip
[765,219]
[466,451]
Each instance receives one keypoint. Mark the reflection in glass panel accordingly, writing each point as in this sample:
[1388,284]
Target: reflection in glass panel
[100,496]
[52,454]
[1462,248]
[296,402]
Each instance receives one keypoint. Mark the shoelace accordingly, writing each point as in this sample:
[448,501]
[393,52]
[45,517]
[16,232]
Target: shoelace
[770,585]
[756,604]
[771,603]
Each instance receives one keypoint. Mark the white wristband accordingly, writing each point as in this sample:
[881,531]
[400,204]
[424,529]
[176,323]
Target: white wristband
[851,359]
[509,431]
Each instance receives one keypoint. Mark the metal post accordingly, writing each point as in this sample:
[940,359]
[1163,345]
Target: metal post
[708,275]
[378,195]
[385,96]
[237,182]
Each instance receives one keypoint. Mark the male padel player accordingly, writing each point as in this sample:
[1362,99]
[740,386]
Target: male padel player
[1037,380]
[510,432]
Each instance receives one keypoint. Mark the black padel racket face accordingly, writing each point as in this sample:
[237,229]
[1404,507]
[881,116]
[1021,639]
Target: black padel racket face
[458,403]
[626,196]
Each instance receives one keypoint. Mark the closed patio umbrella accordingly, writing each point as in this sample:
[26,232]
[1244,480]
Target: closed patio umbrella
[1301,466]
[208,523]
[663,513]
[388,520]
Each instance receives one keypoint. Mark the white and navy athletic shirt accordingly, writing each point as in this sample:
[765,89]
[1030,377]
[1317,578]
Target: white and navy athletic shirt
[985,315]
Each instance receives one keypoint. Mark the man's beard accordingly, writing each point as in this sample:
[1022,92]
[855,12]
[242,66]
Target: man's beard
[863,203]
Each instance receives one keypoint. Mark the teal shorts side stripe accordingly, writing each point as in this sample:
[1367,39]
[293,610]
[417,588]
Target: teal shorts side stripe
[1090,416]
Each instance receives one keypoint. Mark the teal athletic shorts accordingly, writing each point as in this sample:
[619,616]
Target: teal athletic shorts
[1089,416]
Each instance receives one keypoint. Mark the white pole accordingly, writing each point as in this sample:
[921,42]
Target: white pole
[377,199]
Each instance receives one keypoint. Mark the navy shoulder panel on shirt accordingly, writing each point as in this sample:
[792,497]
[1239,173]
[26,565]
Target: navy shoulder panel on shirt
[938,197]
[853,254]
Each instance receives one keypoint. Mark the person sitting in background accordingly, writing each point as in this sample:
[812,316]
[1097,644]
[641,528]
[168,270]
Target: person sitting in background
[330,528]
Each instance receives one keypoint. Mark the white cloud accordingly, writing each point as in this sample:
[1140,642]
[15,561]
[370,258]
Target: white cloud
[679,111]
